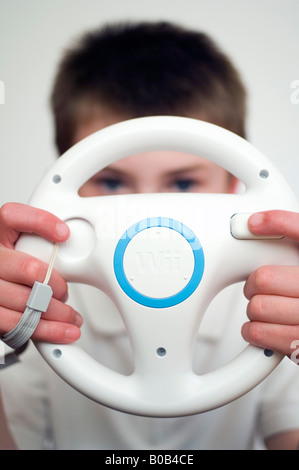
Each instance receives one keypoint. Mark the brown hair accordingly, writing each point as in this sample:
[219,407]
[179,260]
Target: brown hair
[147,69]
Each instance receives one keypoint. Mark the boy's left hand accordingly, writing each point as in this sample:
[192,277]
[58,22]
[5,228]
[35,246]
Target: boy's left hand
[273,291]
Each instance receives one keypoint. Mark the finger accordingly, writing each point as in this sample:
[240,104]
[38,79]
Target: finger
[21,268]
[49,331]
[56,332]
[61,312]
[278,338]
[283,223]
[275,280]
[14,297]
[23,218]
[274,309]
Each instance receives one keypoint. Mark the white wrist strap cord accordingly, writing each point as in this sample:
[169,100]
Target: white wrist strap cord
[37,303]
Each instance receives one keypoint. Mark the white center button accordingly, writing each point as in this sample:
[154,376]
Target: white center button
[158,262]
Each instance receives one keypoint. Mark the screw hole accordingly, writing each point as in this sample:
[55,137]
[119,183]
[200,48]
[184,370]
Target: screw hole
[264,174]
[161,352]
[57,353]
[56,179]
[268,352]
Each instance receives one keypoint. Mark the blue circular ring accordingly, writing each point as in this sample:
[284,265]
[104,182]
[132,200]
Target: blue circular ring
[164,301]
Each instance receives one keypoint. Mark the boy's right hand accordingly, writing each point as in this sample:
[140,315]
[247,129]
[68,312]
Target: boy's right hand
[18,272]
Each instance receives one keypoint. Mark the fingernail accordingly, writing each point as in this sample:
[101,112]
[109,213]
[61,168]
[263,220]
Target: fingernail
[256,220]
[62,230]
[72,333]
[79,320]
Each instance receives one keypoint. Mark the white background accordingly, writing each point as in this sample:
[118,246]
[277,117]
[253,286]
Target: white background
[261,36]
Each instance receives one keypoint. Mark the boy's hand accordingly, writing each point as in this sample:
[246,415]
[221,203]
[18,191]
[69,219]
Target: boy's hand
[273,291]
[19,271]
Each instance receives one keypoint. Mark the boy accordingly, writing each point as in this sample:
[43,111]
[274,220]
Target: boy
[115,74]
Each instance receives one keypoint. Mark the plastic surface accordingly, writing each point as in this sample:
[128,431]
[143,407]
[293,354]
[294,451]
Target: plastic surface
[157,256]
[112,247]
[239,229]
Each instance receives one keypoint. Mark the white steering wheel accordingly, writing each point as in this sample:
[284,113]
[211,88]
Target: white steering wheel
[161,258]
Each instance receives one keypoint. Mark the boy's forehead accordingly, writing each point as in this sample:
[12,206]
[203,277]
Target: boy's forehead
[163,162]
[98,119]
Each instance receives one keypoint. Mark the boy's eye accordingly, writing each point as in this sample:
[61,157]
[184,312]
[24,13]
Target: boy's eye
[108,184]
[111,183]
[184,184]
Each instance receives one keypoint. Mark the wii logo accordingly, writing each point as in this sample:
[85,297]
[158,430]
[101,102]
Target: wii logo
[2,92]
[162,262]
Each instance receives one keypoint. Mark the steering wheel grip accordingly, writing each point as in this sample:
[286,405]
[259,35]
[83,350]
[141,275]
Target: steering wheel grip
[162,258]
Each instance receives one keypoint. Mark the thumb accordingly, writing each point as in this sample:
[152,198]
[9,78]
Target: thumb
[16,218]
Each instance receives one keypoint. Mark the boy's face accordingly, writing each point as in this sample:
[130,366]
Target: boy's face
[153,172]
